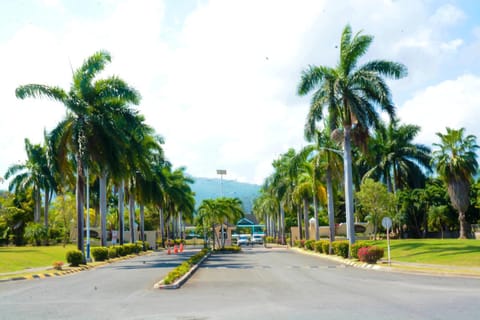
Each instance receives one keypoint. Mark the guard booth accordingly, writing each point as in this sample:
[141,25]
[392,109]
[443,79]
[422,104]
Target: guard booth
[248,225]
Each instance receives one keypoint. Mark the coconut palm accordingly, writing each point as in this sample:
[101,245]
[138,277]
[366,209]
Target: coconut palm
[351,94]
[396,160]
[456,163]
[87,130]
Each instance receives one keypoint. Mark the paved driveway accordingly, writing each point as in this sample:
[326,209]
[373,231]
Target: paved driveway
[256,284]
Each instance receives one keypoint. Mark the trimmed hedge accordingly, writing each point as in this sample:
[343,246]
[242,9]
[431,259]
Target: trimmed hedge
[310,245]
[100,253]
[74,257]
[182,269]
[322,246]
[340,248]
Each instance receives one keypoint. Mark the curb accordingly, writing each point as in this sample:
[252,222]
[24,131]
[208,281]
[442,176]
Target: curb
[177,284]
[388,268]
[60,273]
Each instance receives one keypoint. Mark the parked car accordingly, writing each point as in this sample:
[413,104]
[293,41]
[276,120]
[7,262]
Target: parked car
[257,239]
[243,239]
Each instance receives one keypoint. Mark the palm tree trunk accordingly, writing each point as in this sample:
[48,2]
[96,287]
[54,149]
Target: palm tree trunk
[103,207]
[299,222]
[38,205]
[305,218]
[131,202]
[162,227]
[45,209]
[315,214]
[142,224]
[331,212]
[282,224]
[347,163]
[121,211]
[463,225]
[79,196]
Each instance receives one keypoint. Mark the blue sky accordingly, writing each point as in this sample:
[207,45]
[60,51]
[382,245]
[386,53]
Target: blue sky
[218,78]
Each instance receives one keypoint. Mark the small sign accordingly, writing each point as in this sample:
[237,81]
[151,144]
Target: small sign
[387,223]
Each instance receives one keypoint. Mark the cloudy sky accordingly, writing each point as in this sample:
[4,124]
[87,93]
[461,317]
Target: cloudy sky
[218,78]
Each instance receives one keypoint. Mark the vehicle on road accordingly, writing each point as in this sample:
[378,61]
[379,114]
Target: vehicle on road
[257,239]
[243,239]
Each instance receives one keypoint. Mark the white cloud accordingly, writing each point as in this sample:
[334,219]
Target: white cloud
[219,83]
[447,14]
[451,103]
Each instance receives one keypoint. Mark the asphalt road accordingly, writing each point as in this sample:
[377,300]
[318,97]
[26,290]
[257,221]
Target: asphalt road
[256,284]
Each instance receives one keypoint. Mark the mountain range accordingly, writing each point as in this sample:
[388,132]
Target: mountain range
[210,188]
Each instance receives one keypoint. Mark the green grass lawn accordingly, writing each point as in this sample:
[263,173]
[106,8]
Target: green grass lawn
[20,258]
[434,251]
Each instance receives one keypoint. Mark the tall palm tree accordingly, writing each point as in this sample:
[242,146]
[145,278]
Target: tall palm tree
[35,173]
[86,132]
[396,159]
[351,94]
[456,163]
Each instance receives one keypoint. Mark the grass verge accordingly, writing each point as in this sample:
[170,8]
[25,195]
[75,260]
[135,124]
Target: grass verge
[24,258]
[449,252]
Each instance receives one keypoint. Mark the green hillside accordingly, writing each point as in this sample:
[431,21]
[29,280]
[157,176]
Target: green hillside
[206,188]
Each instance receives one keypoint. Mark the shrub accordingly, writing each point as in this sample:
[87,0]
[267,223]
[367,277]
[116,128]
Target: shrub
[182,269]
[269,239]
[370,254]
[356,246]
[322,246]
[340,248]
[35,233]
[141,243]
[74,257]
[57,265]
[100,253]
[112,253]
[309,244]
[229,249]
[120,251]
[326,246]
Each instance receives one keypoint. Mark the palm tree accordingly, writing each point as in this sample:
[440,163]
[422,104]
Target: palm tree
[35,173]
[396,159]
[456,164]
[351,94]
[87,131]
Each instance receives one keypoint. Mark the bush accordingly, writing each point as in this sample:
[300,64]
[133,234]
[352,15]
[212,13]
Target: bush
[112,253]
[322,246]
[140,245]
[120,251]
[340,248]
[370,254]
[182,269]
[269,239]
[100,253]
[356,246]
[229,249]
[35,233]
[309,244]
[57,265]
[75,257]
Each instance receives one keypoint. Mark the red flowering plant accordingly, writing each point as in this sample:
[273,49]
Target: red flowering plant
[370,254]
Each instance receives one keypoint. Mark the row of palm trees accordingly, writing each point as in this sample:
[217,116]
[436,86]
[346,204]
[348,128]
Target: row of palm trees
[346,133]
[102,137]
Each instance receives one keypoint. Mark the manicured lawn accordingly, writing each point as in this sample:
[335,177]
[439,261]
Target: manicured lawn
[434,251]
[20,258]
